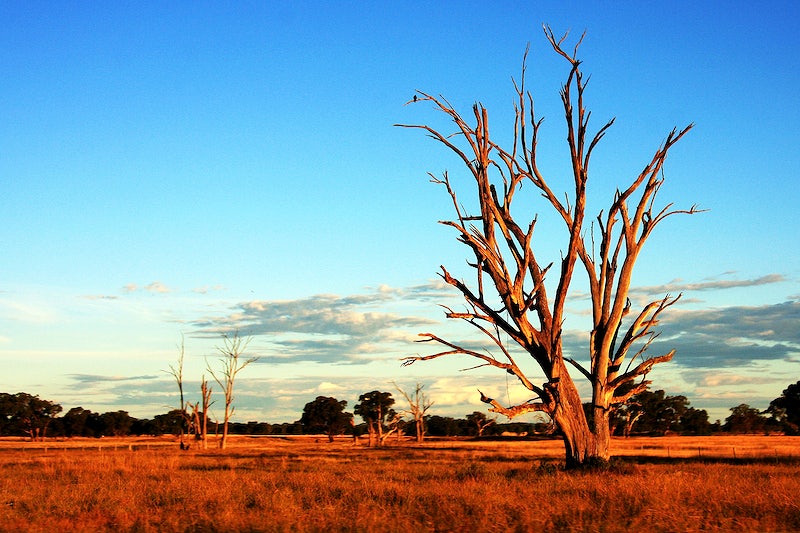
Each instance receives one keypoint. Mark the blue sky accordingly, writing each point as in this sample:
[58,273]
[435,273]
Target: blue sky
[178,169]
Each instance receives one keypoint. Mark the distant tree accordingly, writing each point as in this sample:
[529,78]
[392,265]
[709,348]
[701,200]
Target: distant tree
[418,405]
[745,419]
[375,408]
[656,413]
[694,422]
[258,428]
[23,413]
[232,362]
[443,426]
[143,426]
[287,428]
[95,426]
[117,423]
[478,421]
[785,409]
[326,415]
[170,423]
[74,422]
[6,413]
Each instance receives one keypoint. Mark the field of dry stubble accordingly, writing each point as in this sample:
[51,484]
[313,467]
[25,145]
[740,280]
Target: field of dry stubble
[307,484]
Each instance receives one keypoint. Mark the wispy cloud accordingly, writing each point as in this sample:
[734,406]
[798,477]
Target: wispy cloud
[206,289]
[96,378]
[155,287]
[35,312]
[715,378]
[678,285]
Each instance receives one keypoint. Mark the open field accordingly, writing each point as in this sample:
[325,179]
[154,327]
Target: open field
[306,484]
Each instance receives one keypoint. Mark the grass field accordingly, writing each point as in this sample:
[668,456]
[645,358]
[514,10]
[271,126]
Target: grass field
[304,484]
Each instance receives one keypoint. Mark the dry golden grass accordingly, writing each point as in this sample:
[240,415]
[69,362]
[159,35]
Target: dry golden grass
[298,484]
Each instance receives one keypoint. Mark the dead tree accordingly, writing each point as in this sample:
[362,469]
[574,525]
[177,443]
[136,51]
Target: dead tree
[205,392]
[510,302]
[418,405]
[200,417]
[177,373]
[232,363]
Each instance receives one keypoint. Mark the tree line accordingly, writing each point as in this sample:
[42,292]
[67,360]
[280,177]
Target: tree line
[652,413]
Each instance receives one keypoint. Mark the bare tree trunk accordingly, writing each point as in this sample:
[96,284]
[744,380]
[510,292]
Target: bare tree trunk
[205,392]
[355,437]
[602,432]
[223,443]
[579,442]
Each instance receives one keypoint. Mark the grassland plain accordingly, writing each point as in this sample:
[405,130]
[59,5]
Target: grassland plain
[305,484]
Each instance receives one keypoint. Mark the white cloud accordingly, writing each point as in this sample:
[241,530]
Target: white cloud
[326,387]
[157,287]
[717,379]
[130,287]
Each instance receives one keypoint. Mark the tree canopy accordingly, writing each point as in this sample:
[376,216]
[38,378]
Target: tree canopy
[327,415]
[786,409]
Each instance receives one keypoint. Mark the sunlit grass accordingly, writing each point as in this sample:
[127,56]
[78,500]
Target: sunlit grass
[301,485]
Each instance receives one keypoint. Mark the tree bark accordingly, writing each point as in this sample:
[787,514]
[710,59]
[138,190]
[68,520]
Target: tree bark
[581,445]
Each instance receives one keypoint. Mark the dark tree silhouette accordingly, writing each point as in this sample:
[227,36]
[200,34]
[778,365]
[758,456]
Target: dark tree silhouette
[326,415]
[745,419]
[785,409]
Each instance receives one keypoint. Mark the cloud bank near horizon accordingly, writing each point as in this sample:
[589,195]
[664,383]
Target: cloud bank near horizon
[357,328]
[724,354]
[328,328]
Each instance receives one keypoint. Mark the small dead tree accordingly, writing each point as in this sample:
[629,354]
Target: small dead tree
[418,405]
[232,363]
[200,416]
[205,392]
[177,373]
[510,303]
